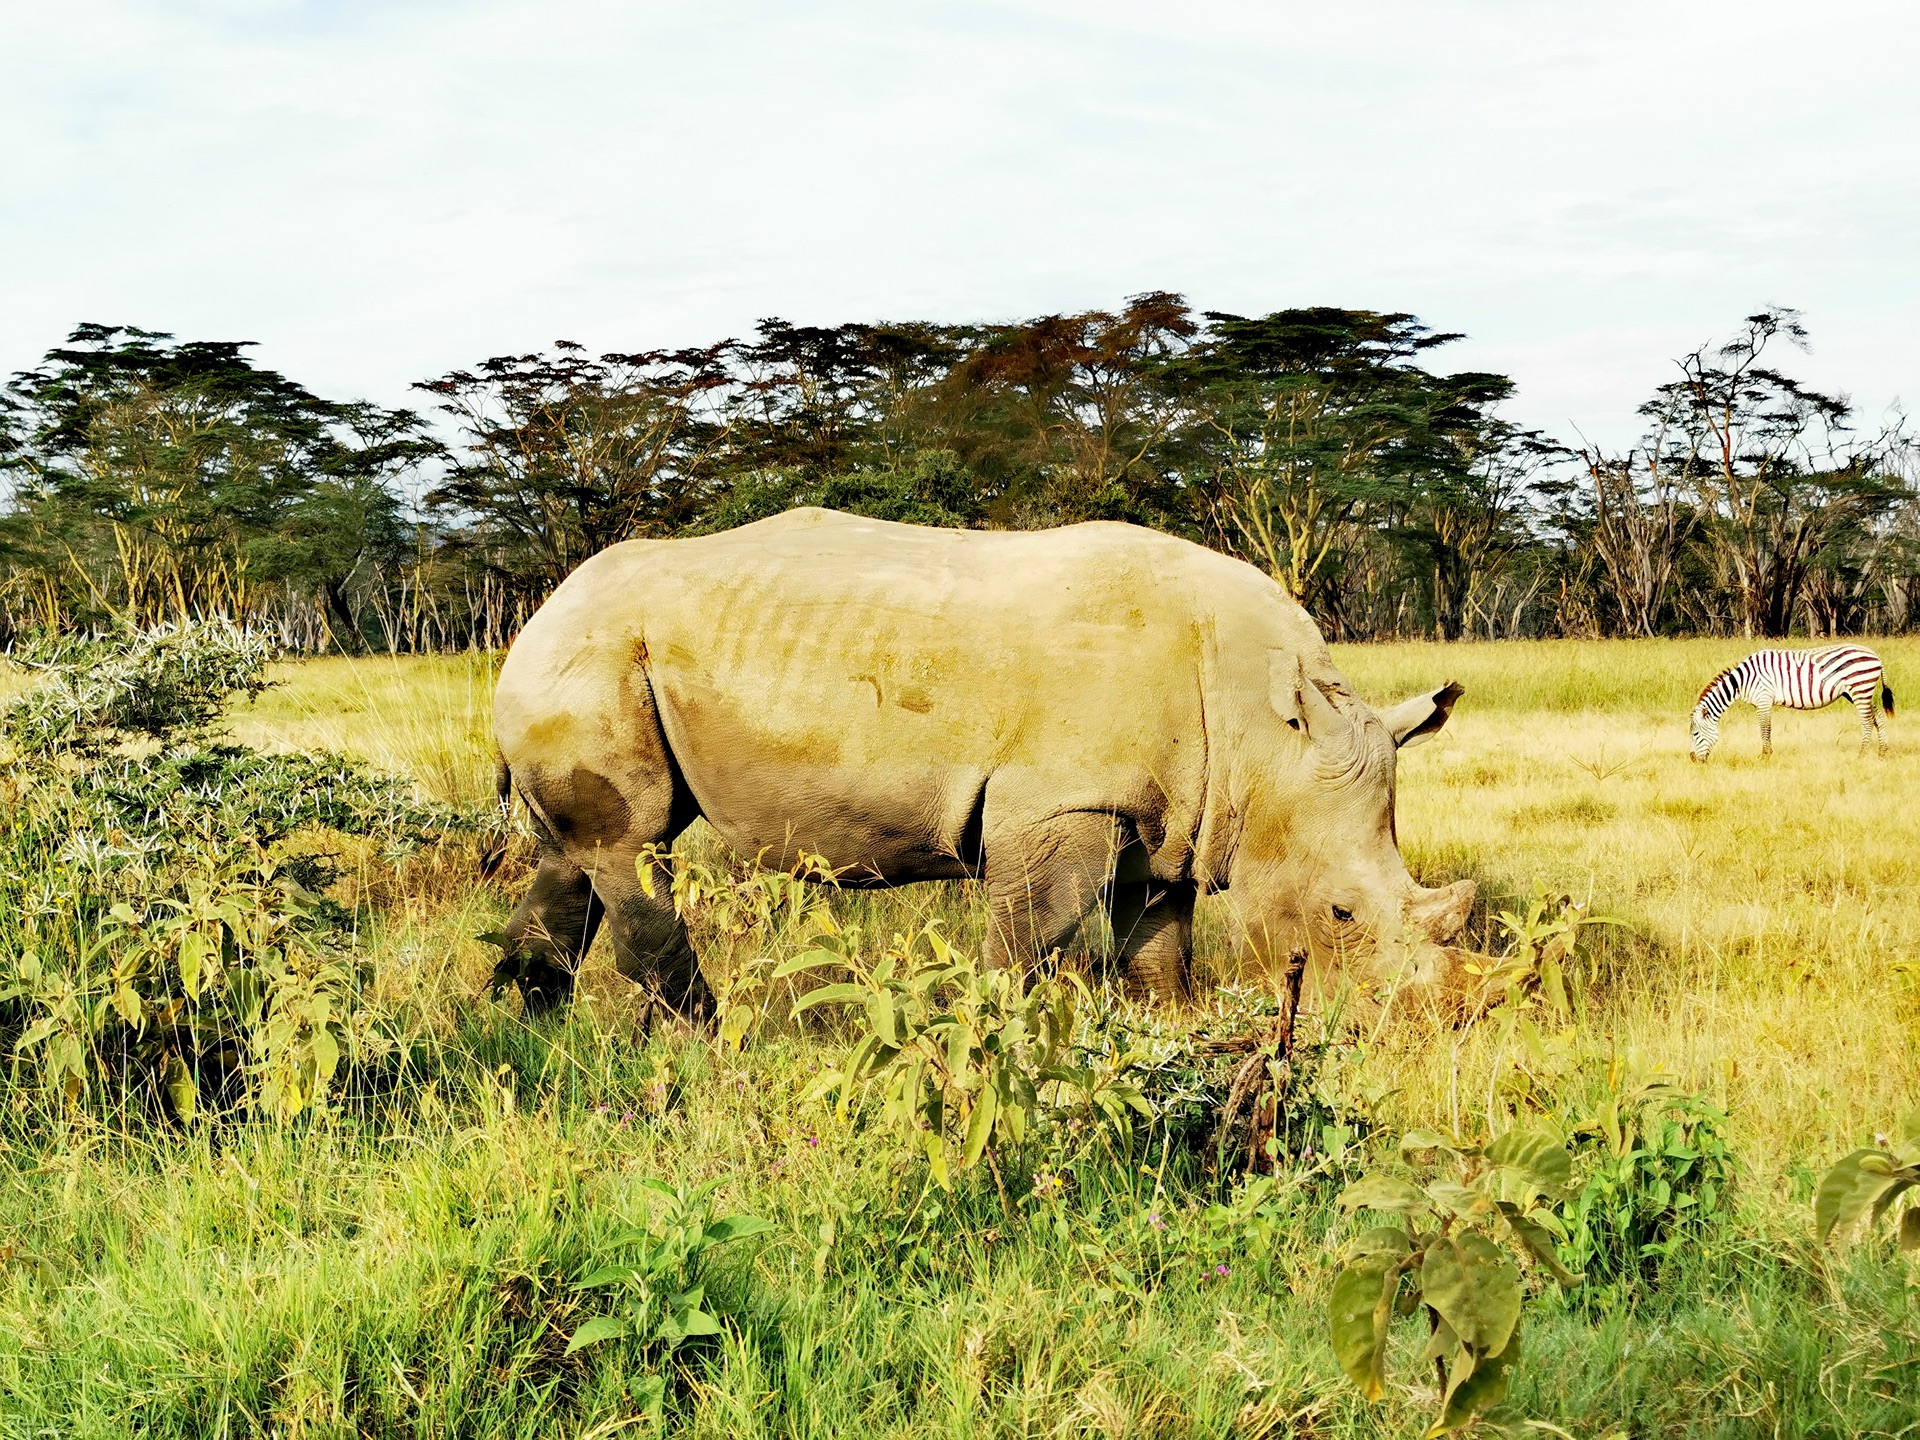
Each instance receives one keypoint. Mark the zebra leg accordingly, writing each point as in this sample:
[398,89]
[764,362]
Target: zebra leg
[1765,709]
[1869,721]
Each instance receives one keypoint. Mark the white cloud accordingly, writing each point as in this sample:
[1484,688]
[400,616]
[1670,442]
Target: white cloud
[379,192]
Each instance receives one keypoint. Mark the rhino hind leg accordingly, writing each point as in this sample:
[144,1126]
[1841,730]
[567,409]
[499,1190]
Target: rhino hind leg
[550,932]
[1153,937]
[597,802]
[651,948]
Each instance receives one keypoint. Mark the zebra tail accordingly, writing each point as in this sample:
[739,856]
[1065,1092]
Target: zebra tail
[1886,697]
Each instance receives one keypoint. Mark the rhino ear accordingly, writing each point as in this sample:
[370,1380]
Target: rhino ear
[1303,704]
[1420,718]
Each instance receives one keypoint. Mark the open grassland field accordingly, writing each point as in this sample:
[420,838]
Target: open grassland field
[405,1260]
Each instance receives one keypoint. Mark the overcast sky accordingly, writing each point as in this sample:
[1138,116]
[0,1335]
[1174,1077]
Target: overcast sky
[382,191]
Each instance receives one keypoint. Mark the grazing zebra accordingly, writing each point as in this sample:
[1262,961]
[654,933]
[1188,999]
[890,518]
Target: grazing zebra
[1799,680]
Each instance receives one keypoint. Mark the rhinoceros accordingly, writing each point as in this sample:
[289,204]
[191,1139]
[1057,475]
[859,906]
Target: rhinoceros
[1093,713]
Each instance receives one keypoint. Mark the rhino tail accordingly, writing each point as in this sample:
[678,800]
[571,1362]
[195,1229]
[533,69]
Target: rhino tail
[493,846]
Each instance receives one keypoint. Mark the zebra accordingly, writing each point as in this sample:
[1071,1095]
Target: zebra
[1799,680]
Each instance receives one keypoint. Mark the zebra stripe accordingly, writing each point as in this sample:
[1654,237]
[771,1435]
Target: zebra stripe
[1799,680]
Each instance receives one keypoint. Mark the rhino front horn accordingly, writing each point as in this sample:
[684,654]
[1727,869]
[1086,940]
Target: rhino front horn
[1442,914]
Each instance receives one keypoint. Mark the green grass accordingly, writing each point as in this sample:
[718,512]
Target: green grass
[403,1263]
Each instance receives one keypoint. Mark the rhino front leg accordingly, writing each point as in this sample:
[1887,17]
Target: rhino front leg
[650,945]
[1042,879]
[550,932]
[1153,937]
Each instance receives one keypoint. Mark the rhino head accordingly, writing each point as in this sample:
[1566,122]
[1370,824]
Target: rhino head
[1317,870]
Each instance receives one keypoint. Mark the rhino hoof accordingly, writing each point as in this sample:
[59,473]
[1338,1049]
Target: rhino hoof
[544,988]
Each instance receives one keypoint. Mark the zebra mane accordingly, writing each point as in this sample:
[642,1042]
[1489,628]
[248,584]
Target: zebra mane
[1717,681]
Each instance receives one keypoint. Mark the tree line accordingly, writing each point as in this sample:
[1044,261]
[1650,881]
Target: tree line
[152,479]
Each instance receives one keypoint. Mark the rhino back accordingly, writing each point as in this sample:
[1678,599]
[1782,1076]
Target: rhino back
[851,686]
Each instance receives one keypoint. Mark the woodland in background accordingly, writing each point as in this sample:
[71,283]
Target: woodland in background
[151,479]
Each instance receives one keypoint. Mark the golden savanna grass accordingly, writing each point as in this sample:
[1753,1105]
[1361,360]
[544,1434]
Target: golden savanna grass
[1770,909]
[1768,950]
[405,1258]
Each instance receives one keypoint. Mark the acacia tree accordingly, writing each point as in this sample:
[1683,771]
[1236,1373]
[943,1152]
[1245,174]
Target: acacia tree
[1776,470]
[1469,515]
[564,455]
[1316,422]
[1636,522]
[1072,412]
[161,480]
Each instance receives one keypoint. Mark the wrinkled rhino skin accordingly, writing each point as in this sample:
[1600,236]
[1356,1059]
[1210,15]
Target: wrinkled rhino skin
[1099,713]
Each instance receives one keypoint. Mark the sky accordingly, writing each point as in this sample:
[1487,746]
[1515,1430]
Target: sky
[380,192]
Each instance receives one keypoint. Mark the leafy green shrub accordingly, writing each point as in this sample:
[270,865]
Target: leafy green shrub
[1654,1171]
[1656,1176]
[1539,968]
[1869,1182]
[738,902]
[655,1288]
[966,1057]
[1445,1253]
[159,932]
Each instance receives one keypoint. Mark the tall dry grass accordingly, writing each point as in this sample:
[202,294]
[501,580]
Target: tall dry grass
[1770,949]
[405,1261]
[1769,946]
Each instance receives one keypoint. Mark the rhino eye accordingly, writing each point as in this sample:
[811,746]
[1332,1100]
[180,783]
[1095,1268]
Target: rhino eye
[1342,914]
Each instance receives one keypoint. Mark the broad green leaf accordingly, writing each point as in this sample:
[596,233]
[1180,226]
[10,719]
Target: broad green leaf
[650,1394]
[830,995]
[610,1275]
[807,960]
[1441,1344]
[1910,1228]
[1478,1389]
[736,1227]
[1462,1200]
[1380,1240]
[979,1126]
[193,953]
[36,1032]
[1422,1139]
[1538,1154]
[690,1324]
[733,1029]
[1539,1242]
[936,1147]
[1900,1183]
[1382,1192]
[959,1044]
[826,1084]
[689,1299]
[1360,1313]
[326,1055]
[182,1094]
[881,1015]
[1474,1288]
[1852,1185]
[592,1332]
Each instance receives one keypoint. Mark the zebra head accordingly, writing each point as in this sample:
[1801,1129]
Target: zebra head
[1706,732]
